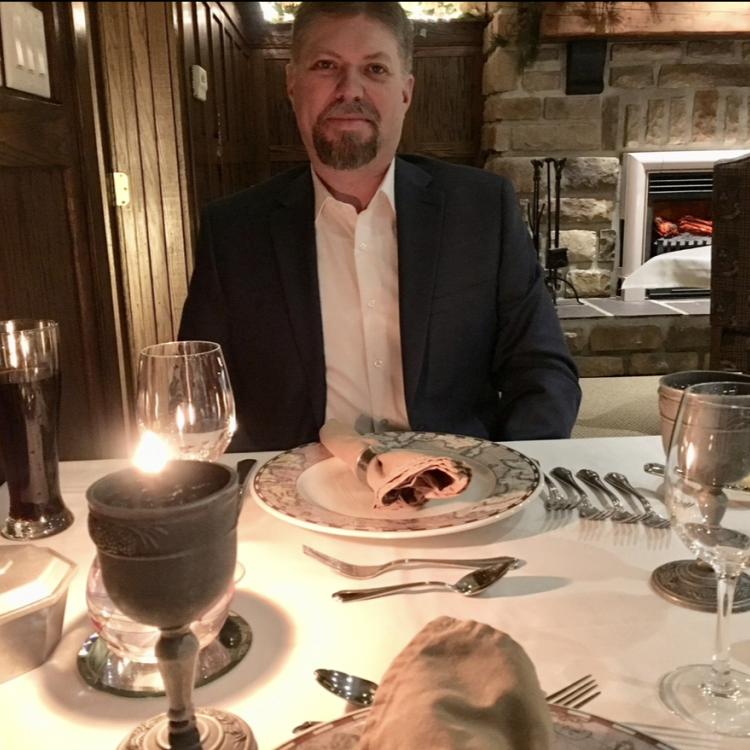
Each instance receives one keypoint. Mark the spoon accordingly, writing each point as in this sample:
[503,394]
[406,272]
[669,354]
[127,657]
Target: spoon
[469,585]
[352,689]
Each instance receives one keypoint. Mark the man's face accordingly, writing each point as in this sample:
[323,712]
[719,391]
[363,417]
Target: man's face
[350,92]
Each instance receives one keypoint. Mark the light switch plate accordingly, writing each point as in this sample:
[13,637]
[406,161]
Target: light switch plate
[199,78]
[24,48]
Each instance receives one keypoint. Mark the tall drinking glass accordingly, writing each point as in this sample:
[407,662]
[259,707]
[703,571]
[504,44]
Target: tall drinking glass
[29,420]
[710,449]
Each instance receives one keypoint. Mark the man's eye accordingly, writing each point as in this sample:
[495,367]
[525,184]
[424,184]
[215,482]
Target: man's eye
[323,65]
[377,69]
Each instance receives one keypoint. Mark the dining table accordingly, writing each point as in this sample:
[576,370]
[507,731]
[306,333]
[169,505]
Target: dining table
[582,603]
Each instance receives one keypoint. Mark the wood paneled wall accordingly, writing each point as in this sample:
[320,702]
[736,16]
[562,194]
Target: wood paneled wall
[141,82]
[54,260]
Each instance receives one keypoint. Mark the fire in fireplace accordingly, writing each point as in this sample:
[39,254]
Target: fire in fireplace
[666,206]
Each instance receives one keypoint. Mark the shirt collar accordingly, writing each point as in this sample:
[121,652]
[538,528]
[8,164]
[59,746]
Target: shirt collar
[322,194]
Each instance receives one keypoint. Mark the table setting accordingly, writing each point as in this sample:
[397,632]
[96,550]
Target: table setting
[403,589]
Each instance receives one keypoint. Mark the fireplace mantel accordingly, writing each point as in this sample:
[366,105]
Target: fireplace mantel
[623,20]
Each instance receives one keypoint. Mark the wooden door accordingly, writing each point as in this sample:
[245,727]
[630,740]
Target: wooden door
[54,253]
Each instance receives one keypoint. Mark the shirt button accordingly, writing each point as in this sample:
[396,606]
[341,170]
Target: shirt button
[363,246]
[378,363]
[371,303]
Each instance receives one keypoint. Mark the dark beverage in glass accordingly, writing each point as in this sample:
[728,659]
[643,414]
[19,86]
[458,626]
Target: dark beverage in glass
[29,418]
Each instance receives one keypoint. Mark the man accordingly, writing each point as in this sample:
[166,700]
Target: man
[388,293]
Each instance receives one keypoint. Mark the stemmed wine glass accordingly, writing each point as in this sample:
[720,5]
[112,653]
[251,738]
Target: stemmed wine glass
[185,398]
[710,449]
[185,410]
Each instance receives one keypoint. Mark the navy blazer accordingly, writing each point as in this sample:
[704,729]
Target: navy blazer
[483,352]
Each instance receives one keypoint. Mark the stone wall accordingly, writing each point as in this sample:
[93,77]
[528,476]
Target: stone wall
[644,346]
[658,96]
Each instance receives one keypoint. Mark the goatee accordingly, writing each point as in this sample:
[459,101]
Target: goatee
[349,150]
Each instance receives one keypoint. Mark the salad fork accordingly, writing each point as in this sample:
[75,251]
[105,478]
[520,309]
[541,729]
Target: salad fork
[370,571]
[555,499]
[619,513]
[652,518]
[585,509]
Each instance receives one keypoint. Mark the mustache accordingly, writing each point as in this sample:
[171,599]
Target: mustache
[339,109]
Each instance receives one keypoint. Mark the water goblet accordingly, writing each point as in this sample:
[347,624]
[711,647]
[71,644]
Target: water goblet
[167,547]
[710,448]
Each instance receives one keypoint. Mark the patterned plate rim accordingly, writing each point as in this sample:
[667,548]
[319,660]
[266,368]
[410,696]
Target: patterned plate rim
[276,482]
[559,713]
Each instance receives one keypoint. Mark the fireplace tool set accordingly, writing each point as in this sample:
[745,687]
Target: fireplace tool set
[555,257]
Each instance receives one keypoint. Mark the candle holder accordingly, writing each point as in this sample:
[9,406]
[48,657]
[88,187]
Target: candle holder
[167,547]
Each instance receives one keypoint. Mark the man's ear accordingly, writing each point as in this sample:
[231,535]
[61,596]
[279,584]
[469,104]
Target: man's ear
[290,81]
[408,90]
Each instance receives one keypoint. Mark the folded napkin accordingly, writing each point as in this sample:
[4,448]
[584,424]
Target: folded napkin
[459,685]
[397,477]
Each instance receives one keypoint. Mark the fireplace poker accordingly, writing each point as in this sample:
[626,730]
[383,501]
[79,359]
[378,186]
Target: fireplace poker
[559,165]
[549,161]
[537,213]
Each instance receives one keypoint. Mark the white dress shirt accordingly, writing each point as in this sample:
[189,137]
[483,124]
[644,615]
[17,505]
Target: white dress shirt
[358,277]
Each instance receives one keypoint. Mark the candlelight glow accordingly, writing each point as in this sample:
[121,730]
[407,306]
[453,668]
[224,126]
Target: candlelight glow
[152,453]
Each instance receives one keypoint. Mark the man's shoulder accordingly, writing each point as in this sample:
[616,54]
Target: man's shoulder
[259,198]
[447,175]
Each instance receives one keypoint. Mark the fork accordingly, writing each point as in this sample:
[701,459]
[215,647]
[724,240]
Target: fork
[585,508]
[555,499]
[619,513]
[577,694]
[370,571]
[652,518]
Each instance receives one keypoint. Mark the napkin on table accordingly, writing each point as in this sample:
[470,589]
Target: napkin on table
[459,685]
[397,477]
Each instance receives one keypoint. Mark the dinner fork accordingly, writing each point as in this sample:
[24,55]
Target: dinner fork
[577,694]
[585,508]
[652,518]
[370,571]
[555,499]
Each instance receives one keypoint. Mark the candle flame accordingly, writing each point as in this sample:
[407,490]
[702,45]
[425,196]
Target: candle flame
[152,454]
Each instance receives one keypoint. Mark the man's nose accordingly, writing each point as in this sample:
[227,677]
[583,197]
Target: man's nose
[350,85]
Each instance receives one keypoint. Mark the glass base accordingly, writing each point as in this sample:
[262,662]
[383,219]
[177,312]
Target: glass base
[218,731]
[692,584]
[45,526]
[104,669]
[684,692]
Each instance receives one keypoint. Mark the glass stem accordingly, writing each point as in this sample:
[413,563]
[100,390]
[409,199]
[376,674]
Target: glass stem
[721,684]
[177,653]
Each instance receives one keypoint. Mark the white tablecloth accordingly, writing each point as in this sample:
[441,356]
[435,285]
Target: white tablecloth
[582,604]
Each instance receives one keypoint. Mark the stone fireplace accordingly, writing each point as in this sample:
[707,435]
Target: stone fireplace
[676,102]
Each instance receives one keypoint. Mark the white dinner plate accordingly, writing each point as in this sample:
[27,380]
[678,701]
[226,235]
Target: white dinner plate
[571,730]
[307,487]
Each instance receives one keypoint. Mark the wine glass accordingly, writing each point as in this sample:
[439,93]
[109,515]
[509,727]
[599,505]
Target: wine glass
[185,398]
[185,410]
[710,449]
[167,547]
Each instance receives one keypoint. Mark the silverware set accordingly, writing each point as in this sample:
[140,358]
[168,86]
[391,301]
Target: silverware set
[611,507]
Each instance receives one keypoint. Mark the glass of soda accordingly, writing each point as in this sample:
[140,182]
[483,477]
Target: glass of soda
[29,419]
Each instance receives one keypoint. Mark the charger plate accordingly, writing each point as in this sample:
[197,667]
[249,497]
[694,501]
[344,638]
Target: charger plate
[571,730]
[305,486]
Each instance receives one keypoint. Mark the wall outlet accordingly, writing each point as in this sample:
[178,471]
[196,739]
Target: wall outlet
[24,48]
[199,78]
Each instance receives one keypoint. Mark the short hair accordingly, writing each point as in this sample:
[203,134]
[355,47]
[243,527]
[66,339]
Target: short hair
[391,15]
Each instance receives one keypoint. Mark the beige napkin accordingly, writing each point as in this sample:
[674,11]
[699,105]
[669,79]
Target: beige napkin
[397,477]
[459,685]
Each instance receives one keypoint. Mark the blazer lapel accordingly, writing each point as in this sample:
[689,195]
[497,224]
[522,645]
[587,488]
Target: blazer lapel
[293,236]
[419,212]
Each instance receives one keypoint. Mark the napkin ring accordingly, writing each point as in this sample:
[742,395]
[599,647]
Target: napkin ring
[364,460]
